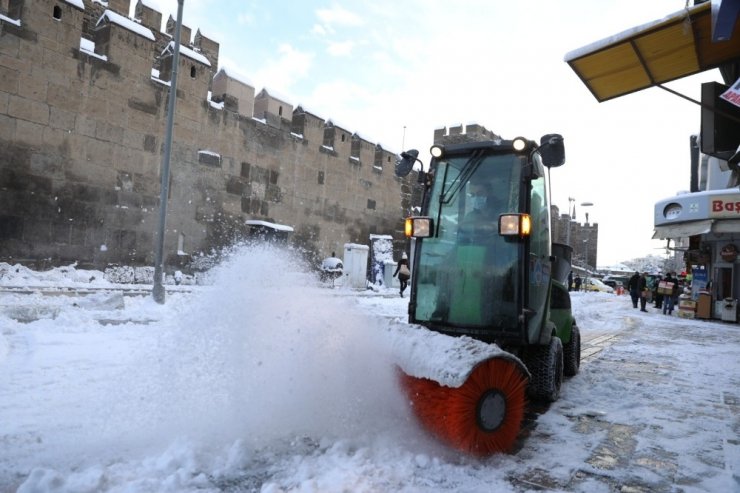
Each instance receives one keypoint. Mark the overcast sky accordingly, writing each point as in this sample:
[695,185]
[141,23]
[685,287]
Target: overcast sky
[394,71]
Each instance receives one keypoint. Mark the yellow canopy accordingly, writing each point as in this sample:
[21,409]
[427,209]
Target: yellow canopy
[674,47]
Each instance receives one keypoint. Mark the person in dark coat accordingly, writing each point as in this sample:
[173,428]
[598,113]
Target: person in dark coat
[643,290]
[570,281]
[657,295]
[634,288]
[403,272]
[577,282]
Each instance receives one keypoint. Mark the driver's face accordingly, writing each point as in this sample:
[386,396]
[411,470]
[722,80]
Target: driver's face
[477,191]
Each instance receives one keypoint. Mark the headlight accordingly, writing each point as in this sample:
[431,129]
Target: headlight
[520,143]
[515,225]
[418,227]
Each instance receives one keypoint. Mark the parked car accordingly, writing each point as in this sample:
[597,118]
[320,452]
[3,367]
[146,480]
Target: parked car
[616,281]
[593,284]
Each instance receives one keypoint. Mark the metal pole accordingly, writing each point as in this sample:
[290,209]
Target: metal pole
[158,292]
[570,219]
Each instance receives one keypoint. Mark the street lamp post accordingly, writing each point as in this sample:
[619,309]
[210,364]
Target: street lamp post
[570,220]
[587,204]
[158,292]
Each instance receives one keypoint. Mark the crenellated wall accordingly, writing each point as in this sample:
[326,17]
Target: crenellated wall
[83,107]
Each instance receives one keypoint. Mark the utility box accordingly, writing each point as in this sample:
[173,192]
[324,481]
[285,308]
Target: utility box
[704,306]
[729,310]
[355,265]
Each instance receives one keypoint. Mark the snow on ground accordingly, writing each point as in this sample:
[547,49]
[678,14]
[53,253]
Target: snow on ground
[268,381]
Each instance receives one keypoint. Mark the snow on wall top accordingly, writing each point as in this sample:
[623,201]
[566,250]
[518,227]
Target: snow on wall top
[76,3]
[126,23]
[184,50]
[233,74]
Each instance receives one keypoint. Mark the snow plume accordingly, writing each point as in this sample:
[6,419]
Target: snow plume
[266,355]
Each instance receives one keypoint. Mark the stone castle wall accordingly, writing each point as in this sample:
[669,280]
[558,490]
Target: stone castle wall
[83,109]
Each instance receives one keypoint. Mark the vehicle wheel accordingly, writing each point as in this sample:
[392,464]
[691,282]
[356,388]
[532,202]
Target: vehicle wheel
[545,364]
[572,352]
[481,417]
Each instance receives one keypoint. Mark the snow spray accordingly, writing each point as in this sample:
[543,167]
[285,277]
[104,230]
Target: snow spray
[266,354]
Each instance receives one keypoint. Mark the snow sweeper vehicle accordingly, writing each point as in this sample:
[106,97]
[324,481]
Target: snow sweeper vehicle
[490,286]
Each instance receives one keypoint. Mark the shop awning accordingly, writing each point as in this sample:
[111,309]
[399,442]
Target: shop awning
[682,230]
[661,51]
[686,229]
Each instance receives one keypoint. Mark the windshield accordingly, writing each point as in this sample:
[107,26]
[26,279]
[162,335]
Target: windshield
[467,264]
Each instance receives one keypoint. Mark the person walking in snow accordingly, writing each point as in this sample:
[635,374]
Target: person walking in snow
[669,300]
[657,295]
[577,283]
[403,272]
[634,288]
[642,288]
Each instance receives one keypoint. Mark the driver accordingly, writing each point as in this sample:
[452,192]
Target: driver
[482,215]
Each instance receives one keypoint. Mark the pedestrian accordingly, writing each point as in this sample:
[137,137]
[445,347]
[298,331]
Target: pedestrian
[634,288]
[577,282]
[658,295]
[643,289]
[669,299]
[570,281]
[403,272]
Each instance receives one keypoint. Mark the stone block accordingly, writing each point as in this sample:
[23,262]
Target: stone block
[29,132]
[7,128]
[109,132]
[49,166]
[9,80]
[61,119]
[64,97]
[27,109]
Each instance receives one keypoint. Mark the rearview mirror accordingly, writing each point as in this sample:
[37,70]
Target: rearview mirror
[406,163]
[552,150]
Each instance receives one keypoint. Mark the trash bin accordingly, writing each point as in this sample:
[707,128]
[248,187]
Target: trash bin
[729,310]
[704,306]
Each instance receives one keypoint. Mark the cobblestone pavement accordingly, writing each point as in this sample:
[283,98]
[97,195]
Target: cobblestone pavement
[691,399]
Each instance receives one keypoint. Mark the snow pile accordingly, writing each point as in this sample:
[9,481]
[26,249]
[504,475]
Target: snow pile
[265,382]
[68,276]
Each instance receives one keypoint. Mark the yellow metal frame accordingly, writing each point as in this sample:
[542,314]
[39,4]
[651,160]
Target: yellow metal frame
[659,52]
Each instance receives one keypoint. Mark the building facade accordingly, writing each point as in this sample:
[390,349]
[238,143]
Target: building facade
[582,237]
[83,108]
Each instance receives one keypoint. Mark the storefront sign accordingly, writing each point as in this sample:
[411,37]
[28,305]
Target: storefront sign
[728,253]
[733,93]
[725,206]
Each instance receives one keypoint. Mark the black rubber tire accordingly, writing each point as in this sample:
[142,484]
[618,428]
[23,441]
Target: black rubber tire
[572,353]
[545,363]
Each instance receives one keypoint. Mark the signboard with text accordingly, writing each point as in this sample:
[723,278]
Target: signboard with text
[732,94]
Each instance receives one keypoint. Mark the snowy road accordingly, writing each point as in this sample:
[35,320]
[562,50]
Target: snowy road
[253,385]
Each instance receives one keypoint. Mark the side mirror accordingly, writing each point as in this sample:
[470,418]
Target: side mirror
[406,162]
[552,150]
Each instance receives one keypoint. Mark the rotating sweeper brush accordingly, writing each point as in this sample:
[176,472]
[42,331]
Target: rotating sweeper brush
[491,325]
